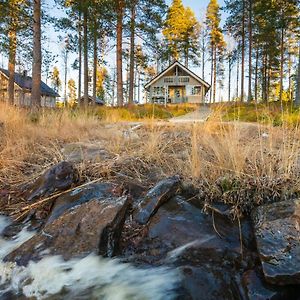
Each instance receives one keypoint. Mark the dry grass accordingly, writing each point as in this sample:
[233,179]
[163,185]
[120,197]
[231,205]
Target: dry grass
[240,164]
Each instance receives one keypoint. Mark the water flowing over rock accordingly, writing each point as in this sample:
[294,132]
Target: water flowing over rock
[91,223]
[206,252]
[58,178]
[277,232]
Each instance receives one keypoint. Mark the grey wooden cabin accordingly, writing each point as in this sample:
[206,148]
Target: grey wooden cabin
[23,86]
[177,84]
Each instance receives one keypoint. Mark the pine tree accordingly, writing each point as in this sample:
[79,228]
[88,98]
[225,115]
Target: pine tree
[37,56]
[181,32]
[217,43]
[14,20]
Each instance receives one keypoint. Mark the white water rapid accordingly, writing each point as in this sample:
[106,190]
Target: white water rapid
[91,277]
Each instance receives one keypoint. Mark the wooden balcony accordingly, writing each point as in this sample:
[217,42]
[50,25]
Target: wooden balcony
[176,80]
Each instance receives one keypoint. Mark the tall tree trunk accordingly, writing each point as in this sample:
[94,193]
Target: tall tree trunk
[203,57]
[215,74]
[12,65]
[120,14]
[237,75]
[256,76]
[79,58]
[85,58]
[132,50]
[290,79]
[297,99]
[281,63]
[250,52]
[95,61]
[211,74]
[243,53]
[268,79]
[37,56]
[66,71]
[187,56]
[229,76]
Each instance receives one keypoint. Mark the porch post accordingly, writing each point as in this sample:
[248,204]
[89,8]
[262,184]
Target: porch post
[166,95]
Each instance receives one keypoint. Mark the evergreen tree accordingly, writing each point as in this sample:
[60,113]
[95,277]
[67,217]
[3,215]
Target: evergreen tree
[37,56]
[181,32]
[217,44]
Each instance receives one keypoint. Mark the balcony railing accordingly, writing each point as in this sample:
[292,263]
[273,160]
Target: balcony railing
[176,80]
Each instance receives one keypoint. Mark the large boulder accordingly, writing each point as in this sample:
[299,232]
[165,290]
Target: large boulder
[58,178]
[277,228]
[93,224]
[206,250]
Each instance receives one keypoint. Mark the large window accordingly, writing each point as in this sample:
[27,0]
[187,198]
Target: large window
[158,91]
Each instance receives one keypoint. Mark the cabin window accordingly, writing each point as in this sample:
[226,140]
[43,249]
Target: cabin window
[196,90]
[158,90]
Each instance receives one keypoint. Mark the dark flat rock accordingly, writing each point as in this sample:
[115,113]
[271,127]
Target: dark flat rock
[277,232]
[58,178]
[155,198]
[99,191]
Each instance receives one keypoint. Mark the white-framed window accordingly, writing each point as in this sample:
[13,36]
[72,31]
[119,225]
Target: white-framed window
[196,90]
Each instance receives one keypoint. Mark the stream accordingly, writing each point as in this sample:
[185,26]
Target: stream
[90,277]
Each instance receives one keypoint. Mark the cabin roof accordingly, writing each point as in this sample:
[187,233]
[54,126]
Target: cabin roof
[91,99]
[25,82]
[174,64]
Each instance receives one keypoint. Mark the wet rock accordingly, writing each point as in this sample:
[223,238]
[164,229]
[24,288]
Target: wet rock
[58,178]
[94,226]
[12,230]
[204,283]
[78,152]
[277,228]
[99,191]
[206,250]
[255,288]
[155,198]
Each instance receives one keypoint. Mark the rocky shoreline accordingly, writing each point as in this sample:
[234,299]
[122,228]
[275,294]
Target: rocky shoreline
[255,257]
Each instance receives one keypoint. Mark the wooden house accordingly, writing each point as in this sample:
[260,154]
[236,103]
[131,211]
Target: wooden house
[23,86]
[177,84]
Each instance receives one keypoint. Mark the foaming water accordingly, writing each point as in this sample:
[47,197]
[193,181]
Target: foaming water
[91,277]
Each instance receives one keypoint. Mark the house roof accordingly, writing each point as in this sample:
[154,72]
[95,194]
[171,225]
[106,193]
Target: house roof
[174,64]
[91,99]
[25,82]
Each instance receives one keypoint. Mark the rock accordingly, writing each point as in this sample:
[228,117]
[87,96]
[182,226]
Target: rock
[78,152]
[94,226]
[257,289]
[207,252]
[277,228]
[188,234]
[58,178]
[99,191]
[202,283]
[155,198]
